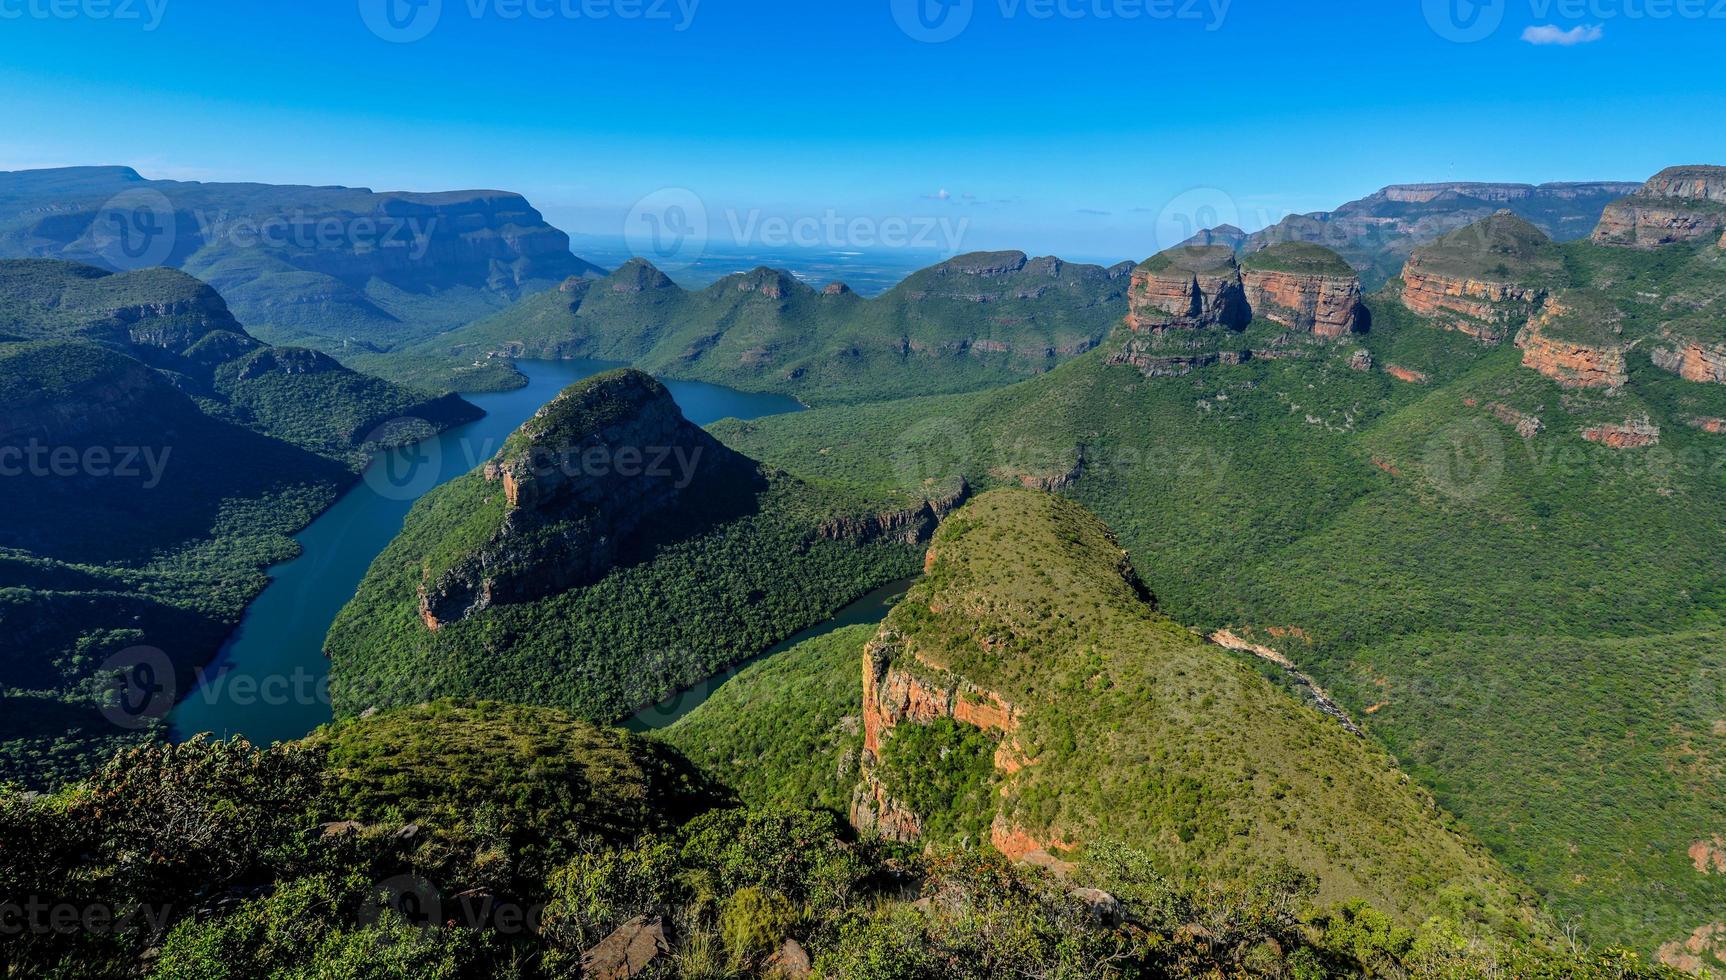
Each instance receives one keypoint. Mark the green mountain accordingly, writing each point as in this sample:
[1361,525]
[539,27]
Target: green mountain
[344,270]
[977,320]
[1439,526]
[133,520]
[469,840]
[610,555]
[181,327]
[154,460]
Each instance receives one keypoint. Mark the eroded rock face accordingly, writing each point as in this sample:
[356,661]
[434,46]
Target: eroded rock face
[578,479]
[1691,360]
[1487,311]
[894,696]
[912,525]
[1329,306]
[1188,288]
[1680,204]
[1570,363]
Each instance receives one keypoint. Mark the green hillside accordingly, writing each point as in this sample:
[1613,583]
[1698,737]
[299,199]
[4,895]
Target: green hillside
[133,519]
[156,460]
[180,326]
[787,729]
[972,322]
[1377,516]
[469,840]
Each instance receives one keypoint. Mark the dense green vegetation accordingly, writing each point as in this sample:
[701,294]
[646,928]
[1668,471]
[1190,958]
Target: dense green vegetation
[972,322]
[359,853]
[737,561]
[1142,733]
[787,729]
[180,326]
[154,460]
[1376,515]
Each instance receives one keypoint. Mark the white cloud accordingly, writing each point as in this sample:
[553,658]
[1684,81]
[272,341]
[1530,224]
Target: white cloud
[1548,34]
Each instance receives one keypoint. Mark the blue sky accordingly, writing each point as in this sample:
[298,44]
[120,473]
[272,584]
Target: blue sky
[1079,127]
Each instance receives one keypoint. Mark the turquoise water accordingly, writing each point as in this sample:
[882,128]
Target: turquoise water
[269,682]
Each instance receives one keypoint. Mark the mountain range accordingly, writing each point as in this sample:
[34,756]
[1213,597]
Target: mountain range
[1278,609]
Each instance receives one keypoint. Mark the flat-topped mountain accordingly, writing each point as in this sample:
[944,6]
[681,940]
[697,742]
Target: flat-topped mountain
[326,266]
[1679,204]
[1483,280]
[1377,233]
[975,320]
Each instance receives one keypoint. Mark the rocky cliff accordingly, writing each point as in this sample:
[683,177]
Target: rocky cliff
[1692,360]
[1187,288]
[1577,340]
[1485,280]
[1679,204]
[1307,288]
[574,483]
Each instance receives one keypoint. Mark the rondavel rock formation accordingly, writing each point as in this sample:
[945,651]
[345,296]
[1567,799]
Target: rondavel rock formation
[1485,280]
[1185,302]
[578,479]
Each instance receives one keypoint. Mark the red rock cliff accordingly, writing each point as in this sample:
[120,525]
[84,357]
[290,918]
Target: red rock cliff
[1329,306]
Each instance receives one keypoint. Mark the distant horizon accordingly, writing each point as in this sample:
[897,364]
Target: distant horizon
[588,226]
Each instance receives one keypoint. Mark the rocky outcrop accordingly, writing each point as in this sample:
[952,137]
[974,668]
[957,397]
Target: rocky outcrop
[630,951]
[1305,287]
[894,695]
[1679,204]
[1691,360]
[1164,365]
[1632,434]
[1409,375]
[1570,362]
[577,481]
[1187,288]
[1487,311]
[1360,360]
[911,525]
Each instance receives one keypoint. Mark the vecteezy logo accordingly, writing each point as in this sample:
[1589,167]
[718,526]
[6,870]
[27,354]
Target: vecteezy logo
[135,229]
[1464,21]
[401,21]
[411,463]
[1194,211]
[409,896]
[932,21]
[1465,461]
[668,228]
[141,687]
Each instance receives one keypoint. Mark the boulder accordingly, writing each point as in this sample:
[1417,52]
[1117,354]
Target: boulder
[628,952]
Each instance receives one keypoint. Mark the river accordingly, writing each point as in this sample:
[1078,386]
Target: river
[269,682]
